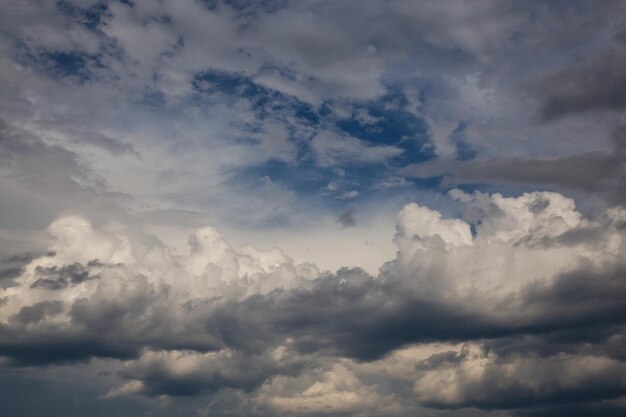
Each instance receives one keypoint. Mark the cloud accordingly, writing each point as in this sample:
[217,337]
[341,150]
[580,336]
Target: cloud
[332,149]
[594,87]
[35,170]
[477,378]
[112,145]
[120,283]
[55,278]
[347,218]
[520,282]
[180,373]
[594,173]
[334,391]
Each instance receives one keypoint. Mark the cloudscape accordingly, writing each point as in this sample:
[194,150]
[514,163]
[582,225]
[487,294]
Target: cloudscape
[356,208]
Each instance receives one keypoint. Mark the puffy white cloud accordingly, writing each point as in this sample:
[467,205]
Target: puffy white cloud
[509,249]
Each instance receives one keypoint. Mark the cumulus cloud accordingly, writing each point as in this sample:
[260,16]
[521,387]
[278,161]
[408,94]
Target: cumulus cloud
[512,278]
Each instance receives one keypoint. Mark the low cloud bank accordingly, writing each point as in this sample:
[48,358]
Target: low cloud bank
[516,306]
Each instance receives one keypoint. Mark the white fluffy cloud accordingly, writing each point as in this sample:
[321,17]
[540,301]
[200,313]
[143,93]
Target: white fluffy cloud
[509,249]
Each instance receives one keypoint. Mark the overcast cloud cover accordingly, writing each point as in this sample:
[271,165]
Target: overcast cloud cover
[312,208]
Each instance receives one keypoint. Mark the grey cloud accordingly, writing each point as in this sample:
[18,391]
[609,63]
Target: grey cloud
[539,205]
[347,218]
[594,87]
[349,314]
[52,346]
[599,408]
[112,326]
[598,173]
[579,299]
[112,145]
[10,273]
[35,313]
[53,174]
[357,316]
[604,341]
[55,278]
[25,258]
[13,266]
[520,382]
[210,374]
[578,172]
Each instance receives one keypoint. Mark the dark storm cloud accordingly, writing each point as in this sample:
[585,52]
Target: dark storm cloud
[350,315]
[573,325]
[605,342]
[117,326]
[355,315]
[580,298]
[50,344]
[591,87]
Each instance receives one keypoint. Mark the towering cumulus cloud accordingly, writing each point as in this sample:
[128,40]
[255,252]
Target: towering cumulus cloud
[312,208]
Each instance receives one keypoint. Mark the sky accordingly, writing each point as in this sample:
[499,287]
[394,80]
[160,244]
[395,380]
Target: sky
[354,208]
